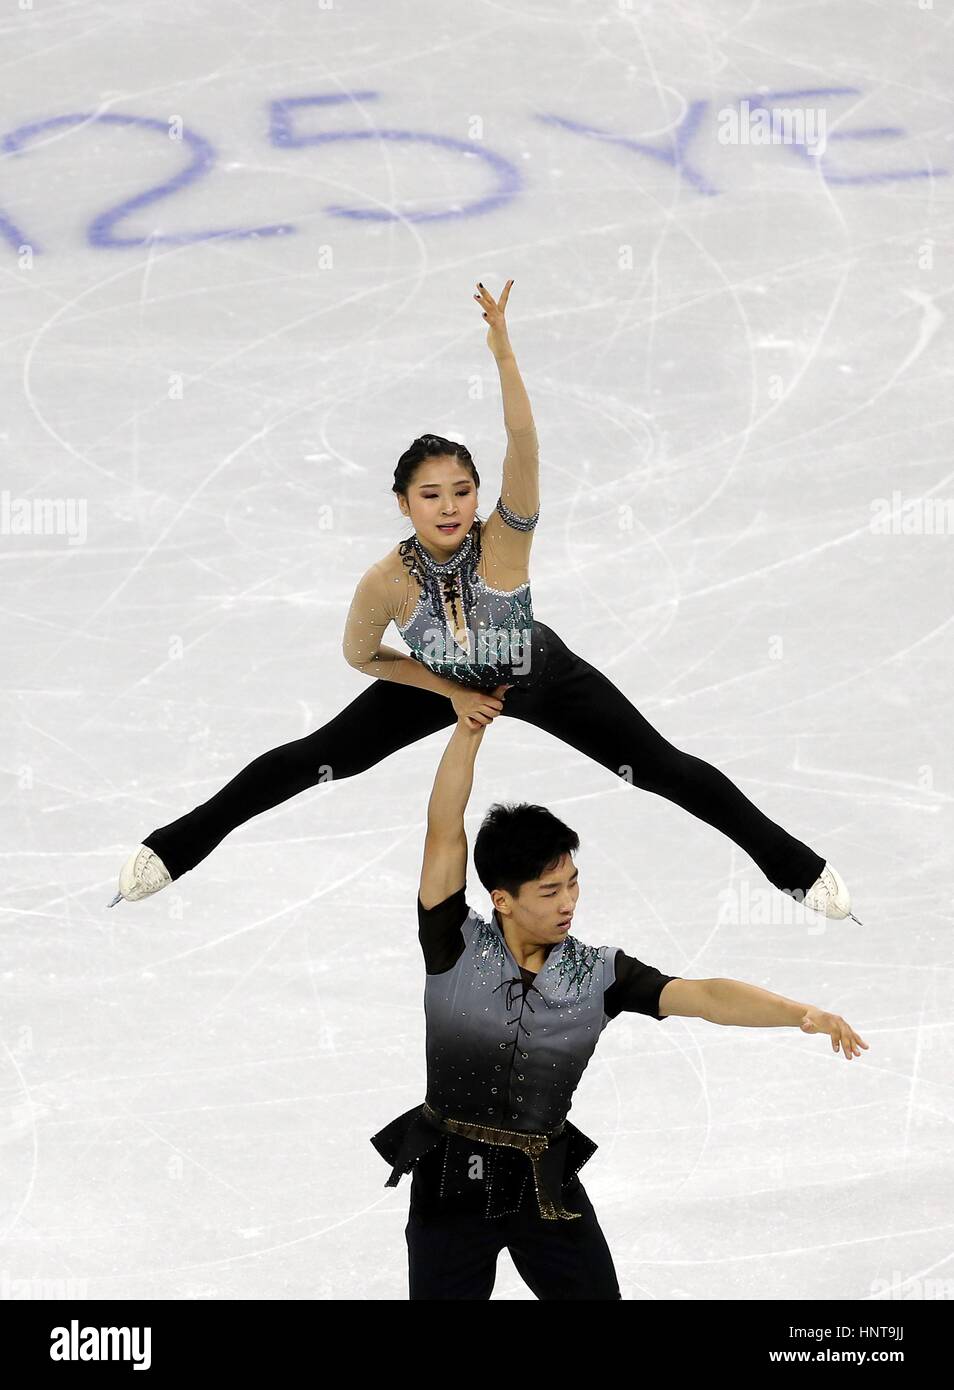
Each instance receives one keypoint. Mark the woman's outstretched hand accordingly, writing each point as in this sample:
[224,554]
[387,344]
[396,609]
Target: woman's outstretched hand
[498,339]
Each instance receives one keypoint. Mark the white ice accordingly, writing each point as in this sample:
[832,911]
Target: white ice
[733,355]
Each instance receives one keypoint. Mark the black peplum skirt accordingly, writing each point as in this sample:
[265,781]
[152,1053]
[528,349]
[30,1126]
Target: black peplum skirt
[446,1178]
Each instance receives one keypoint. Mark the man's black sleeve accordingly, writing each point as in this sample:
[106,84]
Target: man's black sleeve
[439,931]
[636,988]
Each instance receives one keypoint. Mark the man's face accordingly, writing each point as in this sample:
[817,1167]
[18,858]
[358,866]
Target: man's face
[542,910]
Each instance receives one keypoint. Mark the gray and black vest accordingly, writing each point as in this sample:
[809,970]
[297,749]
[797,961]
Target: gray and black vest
[507,1054]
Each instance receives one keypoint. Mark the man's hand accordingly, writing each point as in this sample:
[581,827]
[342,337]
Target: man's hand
[477,708]
[498,339]
[841,1033]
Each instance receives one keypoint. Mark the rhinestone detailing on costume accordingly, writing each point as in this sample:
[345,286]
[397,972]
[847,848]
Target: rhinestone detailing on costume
[533,1145]
[519,523]
[505,1053]
[487,947]
[574,967]
[504,1057]
[492,641]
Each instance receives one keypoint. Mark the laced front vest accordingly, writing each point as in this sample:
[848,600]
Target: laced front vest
[504,1053]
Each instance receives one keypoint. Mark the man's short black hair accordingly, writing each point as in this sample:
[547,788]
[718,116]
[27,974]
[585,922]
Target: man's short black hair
[520,842]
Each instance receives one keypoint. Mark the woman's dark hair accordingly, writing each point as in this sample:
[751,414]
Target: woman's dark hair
[425,446]
[520,842]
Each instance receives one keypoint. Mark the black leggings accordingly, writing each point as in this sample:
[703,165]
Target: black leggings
[569,699]
[456,1256]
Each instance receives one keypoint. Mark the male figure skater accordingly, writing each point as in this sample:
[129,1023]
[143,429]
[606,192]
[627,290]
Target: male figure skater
[515,1007]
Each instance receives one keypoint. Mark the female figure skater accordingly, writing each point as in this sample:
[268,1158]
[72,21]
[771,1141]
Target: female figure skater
[458,590]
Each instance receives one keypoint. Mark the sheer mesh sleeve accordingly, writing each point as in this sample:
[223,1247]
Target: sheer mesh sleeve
[520,488]
[509,541]
[368,618]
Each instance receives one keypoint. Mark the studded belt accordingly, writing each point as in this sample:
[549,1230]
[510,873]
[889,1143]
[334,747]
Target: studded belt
[535,1146]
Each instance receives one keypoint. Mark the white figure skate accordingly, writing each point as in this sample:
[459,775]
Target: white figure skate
[142,874]
[829,894]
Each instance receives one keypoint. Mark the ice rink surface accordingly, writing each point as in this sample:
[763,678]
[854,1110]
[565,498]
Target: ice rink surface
[241,241]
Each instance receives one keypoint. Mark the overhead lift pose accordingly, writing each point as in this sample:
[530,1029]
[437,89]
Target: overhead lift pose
[458,590]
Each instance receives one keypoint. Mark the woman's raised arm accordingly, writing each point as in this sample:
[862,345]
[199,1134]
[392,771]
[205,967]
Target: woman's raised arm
[520,489]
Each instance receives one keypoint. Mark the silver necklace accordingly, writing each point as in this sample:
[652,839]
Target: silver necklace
[454,575]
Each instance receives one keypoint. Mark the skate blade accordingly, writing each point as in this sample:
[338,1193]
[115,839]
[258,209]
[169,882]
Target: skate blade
[118,899]
[856,919]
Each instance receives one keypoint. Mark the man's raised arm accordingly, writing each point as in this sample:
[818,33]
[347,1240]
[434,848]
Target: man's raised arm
[444,869]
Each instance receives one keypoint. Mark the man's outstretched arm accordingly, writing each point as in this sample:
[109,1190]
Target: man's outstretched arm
[748,1006]
[444,869]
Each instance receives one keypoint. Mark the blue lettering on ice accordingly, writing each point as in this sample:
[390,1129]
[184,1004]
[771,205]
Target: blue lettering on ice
[820,162]
[671,150]
[282,133]
[11,232]
[100,229]
[673,153]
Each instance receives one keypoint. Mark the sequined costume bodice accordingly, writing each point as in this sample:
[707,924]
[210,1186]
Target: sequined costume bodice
[496,643]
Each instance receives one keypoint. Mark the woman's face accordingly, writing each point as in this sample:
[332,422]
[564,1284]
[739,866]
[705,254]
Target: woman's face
[441,493]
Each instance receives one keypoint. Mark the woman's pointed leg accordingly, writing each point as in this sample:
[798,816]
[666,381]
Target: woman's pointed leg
[578,704]
[385,717]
